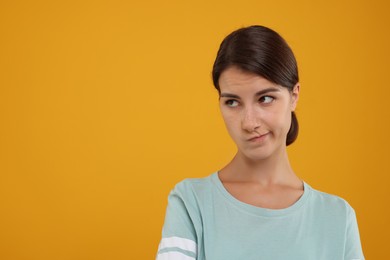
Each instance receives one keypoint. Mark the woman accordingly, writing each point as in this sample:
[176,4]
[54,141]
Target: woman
[256,207]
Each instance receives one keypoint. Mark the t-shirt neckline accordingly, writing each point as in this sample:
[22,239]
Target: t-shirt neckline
[259,211]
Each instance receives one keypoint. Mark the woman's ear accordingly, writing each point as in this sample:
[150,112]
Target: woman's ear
[294,96]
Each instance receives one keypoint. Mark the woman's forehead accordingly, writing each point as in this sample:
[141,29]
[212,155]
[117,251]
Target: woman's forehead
[239,81]
[236,77]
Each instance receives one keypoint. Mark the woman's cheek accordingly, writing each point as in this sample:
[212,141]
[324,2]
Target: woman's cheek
[232,124]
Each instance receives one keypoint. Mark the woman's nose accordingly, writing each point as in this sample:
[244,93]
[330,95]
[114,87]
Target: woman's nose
[250,120]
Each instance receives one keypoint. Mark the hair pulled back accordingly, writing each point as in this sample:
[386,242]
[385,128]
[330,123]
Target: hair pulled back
[262,51]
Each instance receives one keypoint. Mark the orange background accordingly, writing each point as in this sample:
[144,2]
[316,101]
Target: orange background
[105,105]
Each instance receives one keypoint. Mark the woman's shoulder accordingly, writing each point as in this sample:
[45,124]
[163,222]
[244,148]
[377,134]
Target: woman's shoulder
[194,185]
[324,199]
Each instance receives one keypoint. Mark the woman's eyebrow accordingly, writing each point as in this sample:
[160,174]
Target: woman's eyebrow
[259,93]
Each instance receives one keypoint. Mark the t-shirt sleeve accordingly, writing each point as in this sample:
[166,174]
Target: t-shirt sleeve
[353,248]
[179,235]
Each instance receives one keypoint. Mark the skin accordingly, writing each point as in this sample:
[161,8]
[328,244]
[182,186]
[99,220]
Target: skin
[257,115]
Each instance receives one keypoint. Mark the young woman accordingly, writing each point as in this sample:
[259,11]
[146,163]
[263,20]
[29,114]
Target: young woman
[256,207]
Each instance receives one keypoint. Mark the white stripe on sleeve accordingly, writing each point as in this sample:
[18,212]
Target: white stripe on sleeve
[174,256]
[182,243]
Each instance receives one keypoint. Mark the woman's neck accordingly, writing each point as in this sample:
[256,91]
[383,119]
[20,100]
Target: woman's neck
[275,169]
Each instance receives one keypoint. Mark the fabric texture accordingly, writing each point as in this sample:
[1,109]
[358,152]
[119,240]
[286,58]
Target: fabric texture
[204,221]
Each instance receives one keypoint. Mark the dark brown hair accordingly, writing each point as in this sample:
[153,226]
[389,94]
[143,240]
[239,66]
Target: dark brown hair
[262,51]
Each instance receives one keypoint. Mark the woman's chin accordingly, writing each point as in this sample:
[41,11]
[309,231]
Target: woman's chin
[260,153]
[255,155]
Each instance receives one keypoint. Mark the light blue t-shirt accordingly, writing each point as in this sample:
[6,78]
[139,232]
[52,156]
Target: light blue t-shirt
[204,221]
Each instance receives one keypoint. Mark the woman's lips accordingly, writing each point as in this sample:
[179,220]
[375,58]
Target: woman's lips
[258,138]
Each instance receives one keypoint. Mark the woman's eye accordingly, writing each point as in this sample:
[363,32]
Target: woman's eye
[266,99]
[231,103]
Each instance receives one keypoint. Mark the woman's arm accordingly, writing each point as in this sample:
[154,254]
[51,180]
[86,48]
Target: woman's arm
[179,239]
[353,247]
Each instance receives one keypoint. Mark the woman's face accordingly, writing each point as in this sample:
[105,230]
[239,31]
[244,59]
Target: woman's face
[257,112]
